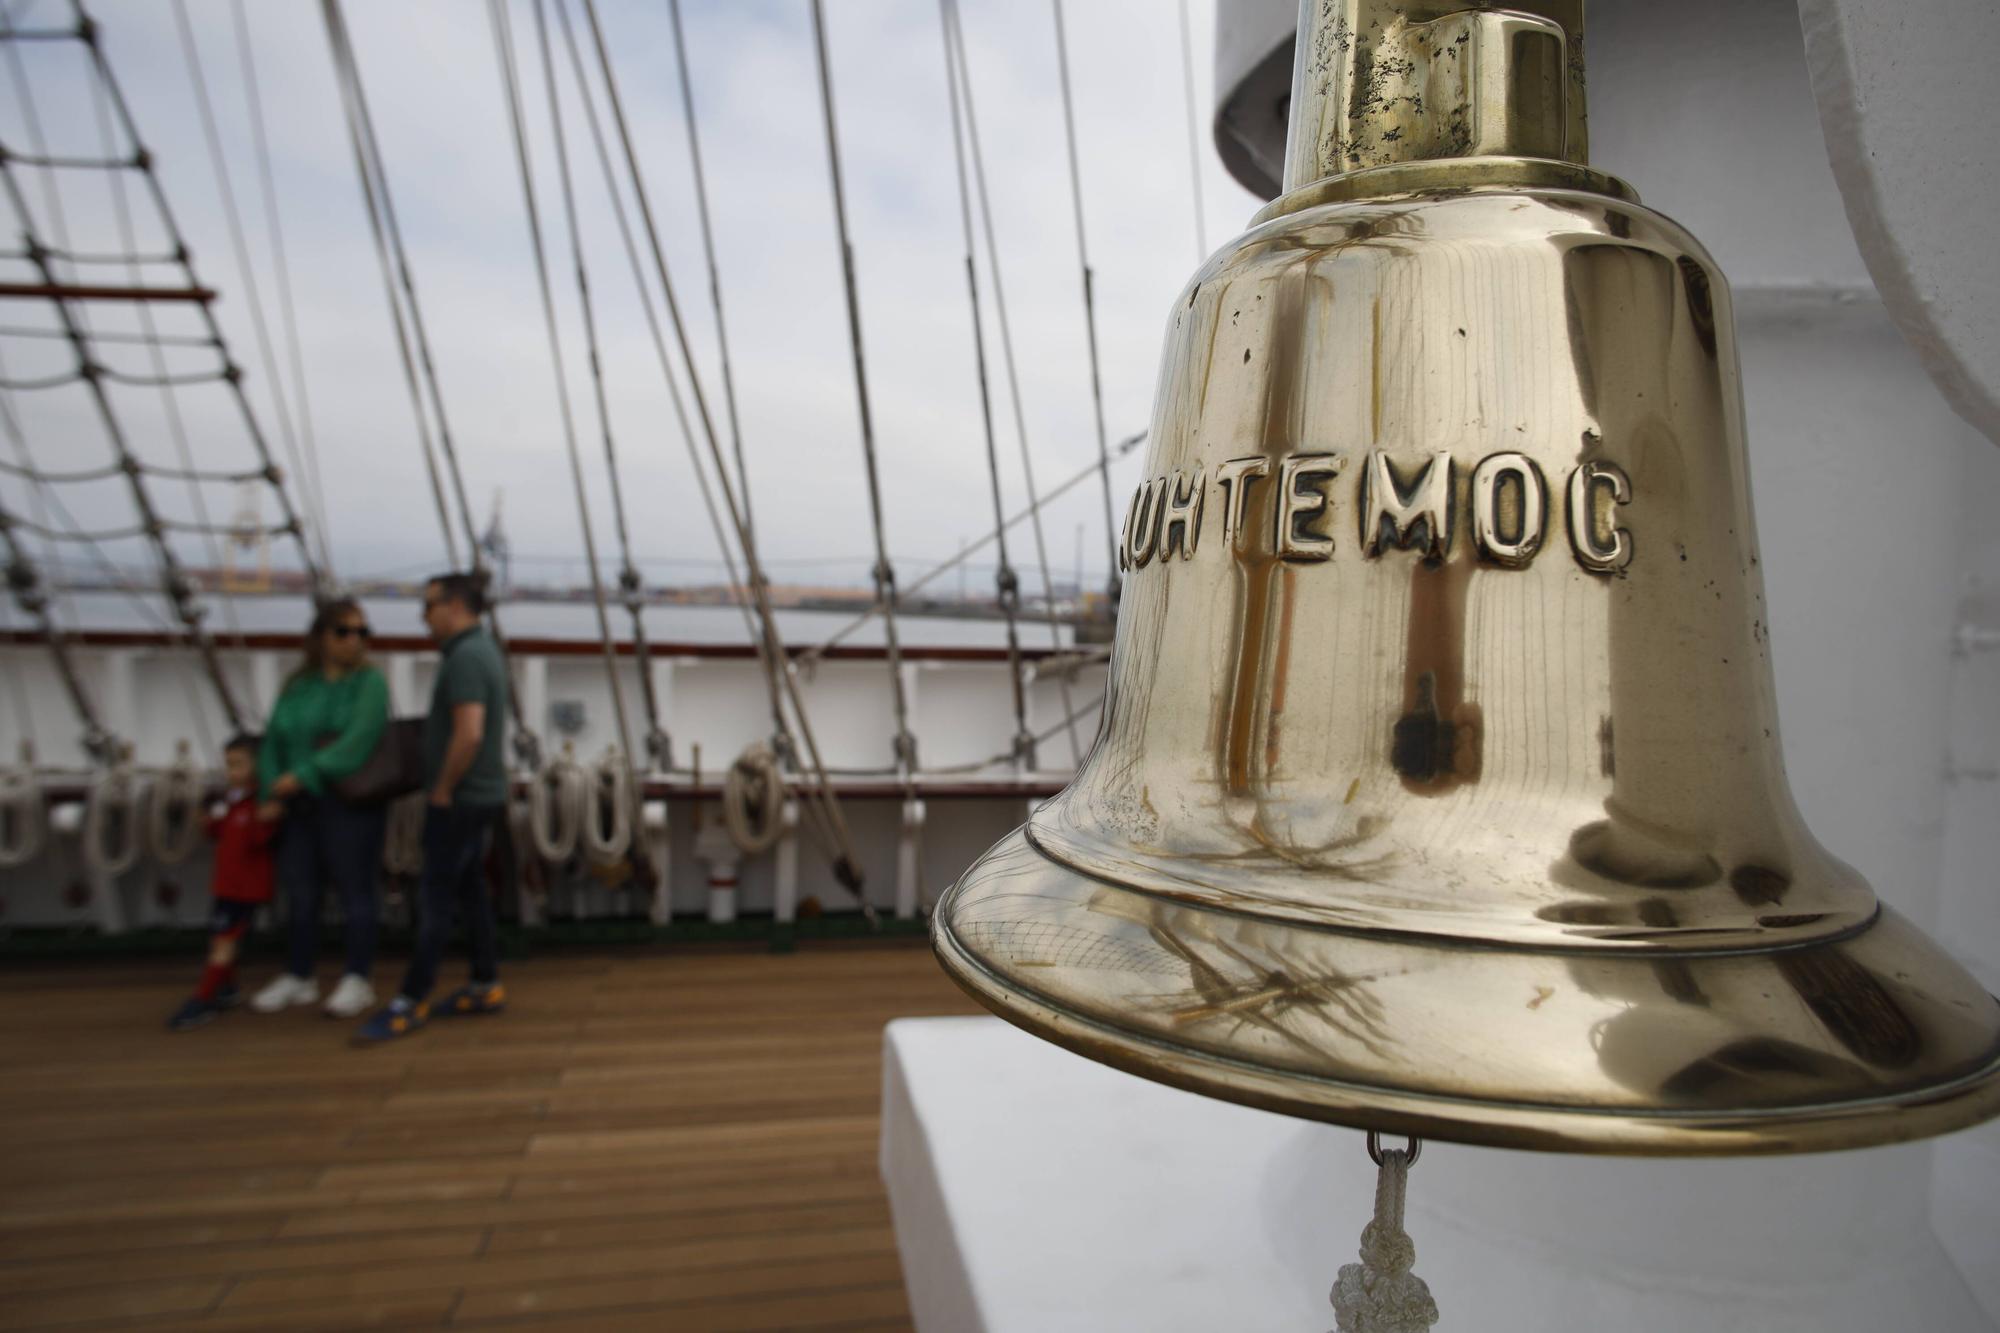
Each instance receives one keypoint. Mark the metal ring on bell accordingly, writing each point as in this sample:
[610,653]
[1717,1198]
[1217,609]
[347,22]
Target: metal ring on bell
[1411,1153]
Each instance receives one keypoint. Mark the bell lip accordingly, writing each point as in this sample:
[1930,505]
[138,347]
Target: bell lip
[1057,847]
[1958,1102]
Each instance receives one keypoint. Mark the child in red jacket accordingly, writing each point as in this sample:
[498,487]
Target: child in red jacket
[242,832]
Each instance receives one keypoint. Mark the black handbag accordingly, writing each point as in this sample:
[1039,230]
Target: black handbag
[394,768]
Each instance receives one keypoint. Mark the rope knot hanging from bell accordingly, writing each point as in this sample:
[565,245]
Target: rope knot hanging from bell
[1380,1294]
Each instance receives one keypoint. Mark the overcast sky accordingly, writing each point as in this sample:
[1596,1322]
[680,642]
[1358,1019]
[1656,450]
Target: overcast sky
[433,81]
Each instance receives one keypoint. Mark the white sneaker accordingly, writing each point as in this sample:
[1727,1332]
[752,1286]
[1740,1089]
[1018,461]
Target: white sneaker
[353,996]
[284,991]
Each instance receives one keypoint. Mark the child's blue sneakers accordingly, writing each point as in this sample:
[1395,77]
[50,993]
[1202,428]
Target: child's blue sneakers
[399,1018]
[490,998]
[193,1014]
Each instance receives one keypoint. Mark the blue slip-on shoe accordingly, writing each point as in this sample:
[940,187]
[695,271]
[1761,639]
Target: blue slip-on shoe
[193,1014]
[229,997]
[488,999]
[398,1019]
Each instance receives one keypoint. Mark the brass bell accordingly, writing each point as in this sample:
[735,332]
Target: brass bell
[1438,789]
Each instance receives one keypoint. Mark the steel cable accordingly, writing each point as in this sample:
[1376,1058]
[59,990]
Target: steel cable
[287,307]
[389,238]
[828,815]
[884,573]
[503,36]
[1089,298]
[1007,582]
[239,243]
[957,36]
[708,252]
[113,95]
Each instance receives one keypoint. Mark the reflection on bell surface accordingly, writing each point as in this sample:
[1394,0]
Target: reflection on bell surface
[1439,788]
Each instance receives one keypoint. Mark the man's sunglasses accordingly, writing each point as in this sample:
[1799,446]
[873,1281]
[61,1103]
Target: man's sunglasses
[352,632]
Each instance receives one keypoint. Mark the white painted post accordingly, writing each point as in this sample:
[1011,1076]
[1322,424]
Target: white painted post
[535,690]
[264,677]
[658,831]
[785,891]
[718,851]
[402,675]
[909,848]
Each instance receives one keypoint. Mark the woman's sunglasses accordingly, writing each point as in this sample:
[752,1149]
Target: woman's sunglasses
[361,632]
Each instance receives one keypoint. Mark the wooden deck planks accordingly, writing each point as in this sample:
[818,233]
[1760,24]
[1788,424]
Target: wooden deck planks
[650,1139]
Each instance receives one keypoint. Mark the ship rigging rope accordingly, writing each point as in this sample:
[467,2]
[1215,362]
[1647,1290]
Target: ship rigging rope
[884,573]
[657,744]
[32,596]
[812,655]
[823,807]
[25,582]
[957,38]
[365,175]
[825,817]
[69,256]
[175,583]
[108,335]
[708,252]
[105,471]
[1007,582]
[287,307]
[518,127]
[174,825]
[113,834]
[305,465]
[1194,137]
[1089,295]
[396,272]
[112,94]
[24,819]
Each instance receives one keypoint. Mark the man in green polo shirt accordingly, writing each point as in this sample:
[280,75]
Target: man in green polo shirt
[465,778]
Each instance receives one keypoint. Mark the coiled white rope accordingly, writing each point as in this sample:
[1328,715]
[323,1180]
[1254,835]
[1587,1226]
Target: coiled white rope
[173,811]
[1380,1294]
[609,793]
[403,836]
[111,808]
[753,800]
[24,815]
[558,806]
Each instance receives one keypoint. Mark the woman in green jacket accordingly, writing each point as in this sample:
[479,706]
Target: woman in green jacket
[325,725]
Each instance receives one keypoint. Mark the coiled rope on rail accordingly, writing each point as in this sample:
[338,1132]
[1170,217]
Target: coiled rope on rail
[24,813]
[173,810]
[113,834]
[753,801]
[608,803]
[558,806]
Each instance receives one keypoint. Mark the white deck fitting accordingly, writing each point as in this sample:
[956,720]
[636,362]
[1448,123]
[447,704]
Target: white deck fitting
[1037,1192]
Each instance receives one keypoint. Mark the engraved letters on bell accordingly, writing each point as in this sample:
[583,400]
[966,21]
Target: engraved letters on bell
[1439,788]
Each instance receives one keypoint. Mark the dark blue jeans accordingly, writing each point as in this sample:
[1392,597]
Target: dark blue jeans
[454,880]
[326,841]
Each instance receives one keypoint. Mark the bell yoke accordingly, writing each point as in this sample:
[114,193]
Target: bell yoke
[1439,789]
